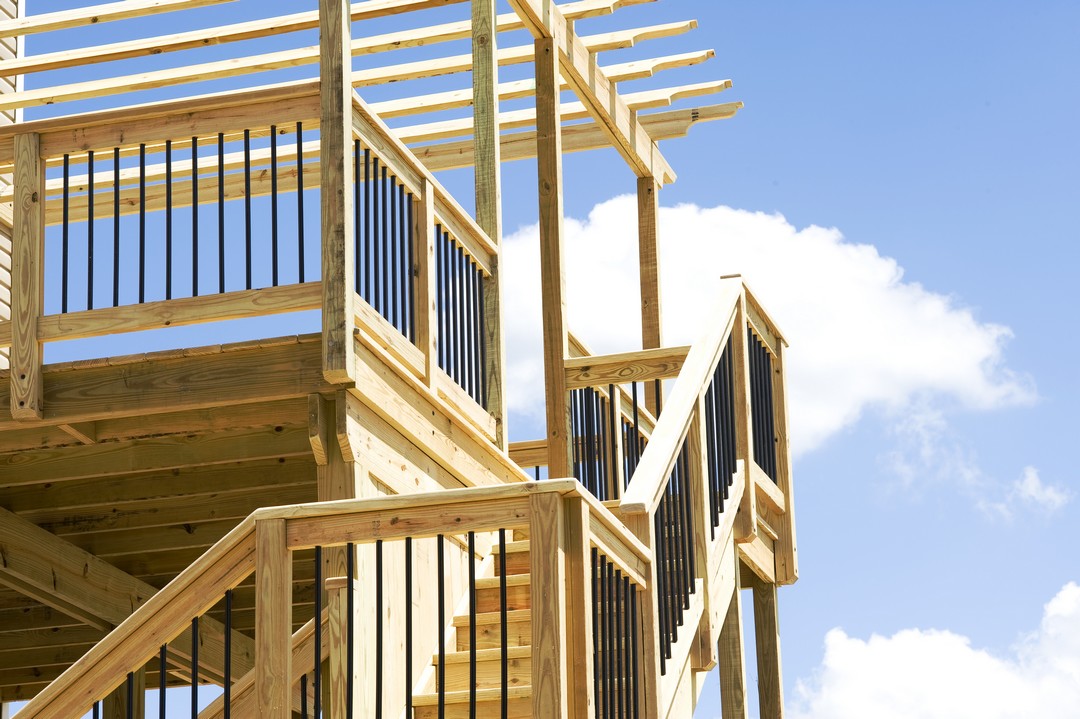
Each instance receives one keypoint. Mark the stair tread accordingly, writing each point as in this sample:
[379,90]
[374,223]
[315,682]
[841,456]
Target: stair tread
[483,655]
[514,615]
[520,545]
[512,580]
[461,696]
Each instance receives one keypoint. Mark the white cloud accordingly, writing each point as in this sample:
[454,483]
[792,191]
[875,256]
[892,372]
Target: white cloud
[927,674]
[1028,492]
[860,335]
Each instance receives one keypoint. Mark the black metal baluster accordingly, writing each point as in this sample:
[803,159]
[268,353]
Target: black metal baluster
[378,628]
[634,649]
[350,627]
[661,588]
[228,654]
[300,207]
[221,210]
[597,649]
[376,223]
[616,632]
[130,695]
[504,699]
[410,248]
[97,710]
[408,628]
[472,624]
[368,220]
[317,676]
[441,627]
[392,311]
[610,579]
[384,264]
[194,217]
[168,219]
[163,675]
[483,344]
[247,223]
[440,313]
[116,227]
[64,237]
[195,668]
[358,226]
[90,230]
[303,696]
[273,207]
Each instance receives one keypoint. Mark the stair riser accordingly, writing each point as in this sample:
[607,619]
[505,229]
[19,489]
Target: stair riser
[516,563]
[517,597]
[518,709]
[488,674]
[488,636]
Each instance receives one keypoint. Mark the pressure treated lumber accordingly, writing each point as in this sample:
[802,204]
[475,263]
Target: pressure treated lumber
[648,202]
[548,546]
[732,661]
[273,621]
[625,367]
[94,14]
[767,640]
[27,269]
[746,520]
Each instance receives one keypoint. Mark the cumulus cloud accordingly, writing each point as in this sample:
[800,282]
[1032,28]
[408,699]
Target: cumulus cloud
[1029,492]
[861,335]
[927,674]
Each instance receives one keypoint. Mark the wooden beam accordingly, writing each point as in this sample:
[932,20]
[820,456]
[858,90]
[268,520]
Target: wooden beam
[648,198]
[579,634]
[787,551]
[595,89]
[488,186]
[95,14]
[336,160]
[767,640]
[732,660]
[547,532]
[576,138]
[552,282]
[625,367]
[273,620]
[27,267]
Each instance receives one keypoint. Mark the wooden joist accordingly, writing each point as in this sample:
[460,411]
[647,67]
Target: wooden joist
[94,14]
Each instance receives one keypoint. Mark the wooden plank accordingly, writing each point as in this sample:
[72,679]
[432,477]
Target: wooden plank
[732,660]
[273,620]
[529,453]
[27,268]
[79,17]
[552,280]
[746,519]
[427,318]
[576,138]
[375,328]
[547,532]
[241,304]
[336,159]
[488,186]
[648,202]
[625,367]
[767,490]
[758,556]
[767,639]
[787,551]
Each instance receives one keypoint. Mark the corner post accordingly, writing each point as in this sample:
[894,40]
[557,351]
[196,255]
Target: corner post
[336,171]
[549,167]
[427,319]
[786,552]
[732,659]
[579,631]
[746,519]
[273,620]
[648,202]
[547,530]
[488,178]
[26,278]
[767,639]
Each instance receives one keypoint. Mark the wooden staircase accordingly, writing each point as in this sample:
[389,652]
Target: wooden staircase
[456,673]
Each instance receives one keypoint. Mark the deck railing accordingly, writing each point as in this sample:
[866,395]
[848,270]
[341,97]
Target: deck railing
[370,555]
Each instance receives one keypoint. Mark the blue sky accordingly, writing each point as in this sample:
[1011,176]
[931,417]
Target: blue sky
[937,500]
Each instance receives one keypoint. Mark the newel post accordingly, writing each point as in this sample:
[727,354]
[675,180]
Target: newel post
[273,620]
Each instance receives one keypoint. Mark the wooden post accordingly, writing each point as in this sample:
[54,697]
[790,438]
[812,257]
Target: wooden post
[648,199]
[488,179]
[273,620]
[115,705]
[579,609]
[786,550]
[547,532]
[336,171]
[731,658]
[549,167]
[746,519]
[767,636]
[648,630]
[703,656]
[427,319]
[26,272]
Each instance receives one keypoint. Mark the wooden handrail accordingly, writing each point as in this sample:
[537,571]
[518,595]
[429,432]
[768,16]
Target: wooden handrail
[646,487]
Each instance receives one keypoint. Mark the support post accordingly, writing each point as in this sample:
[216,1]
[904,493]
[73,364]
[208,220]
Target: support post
[273,620]
[648,200]
[732,659]
[336,171]
[746,518]
[427,318]
[579,609]
[767,640]
[786,550]
[26,273]
[488,178]
[547,532]
[549,167]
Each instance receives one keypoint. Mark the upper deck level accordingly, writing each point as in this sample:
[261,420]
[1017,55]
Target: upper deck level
[264,175]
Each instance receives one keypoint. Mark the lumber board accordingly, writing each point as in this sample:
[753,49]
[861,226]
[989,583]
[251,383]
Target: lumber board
[648,203]
[27,271]
[273,621]
[767,641]
[625,367]
[94,14]
[548,547]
